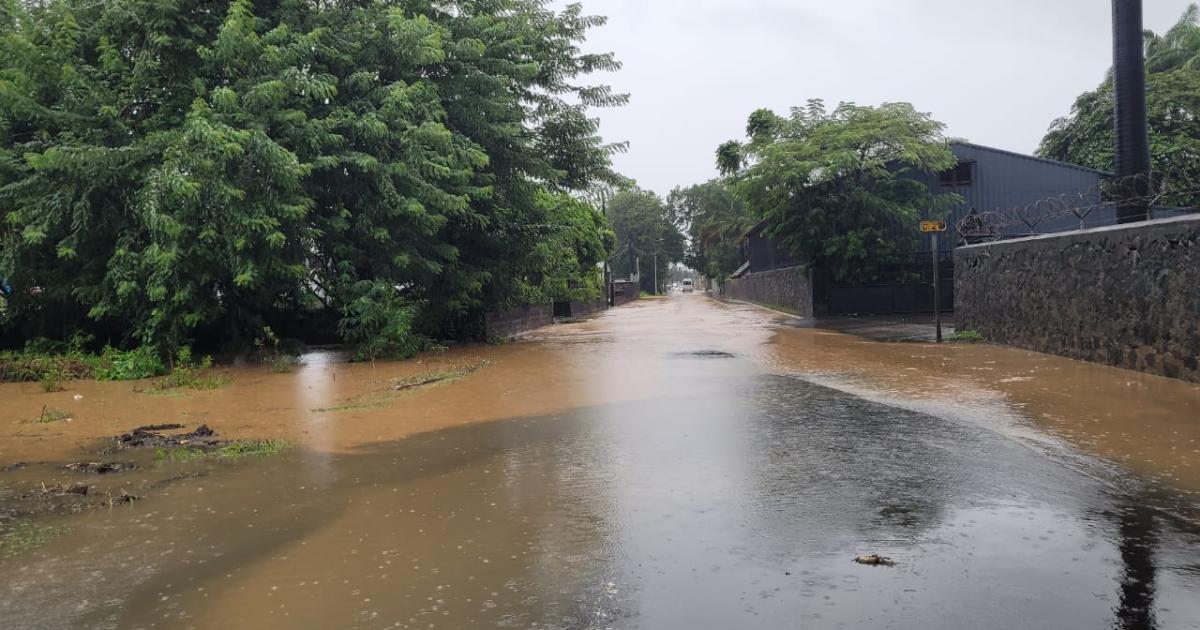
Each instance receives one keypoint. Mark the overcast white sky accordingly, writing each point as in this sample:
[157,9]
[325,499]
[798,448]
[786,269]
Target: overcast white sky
[996,72]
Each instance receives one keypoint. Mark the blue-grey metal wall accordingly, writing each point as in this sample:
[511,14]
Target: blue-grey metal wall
[1001,179]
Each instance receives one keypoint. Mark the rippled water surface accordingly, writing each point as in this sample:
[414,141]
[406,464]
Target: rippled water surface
[671,464]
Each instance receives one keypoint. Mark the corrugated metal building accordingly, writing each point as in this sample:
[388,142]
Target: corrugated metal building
[986,179]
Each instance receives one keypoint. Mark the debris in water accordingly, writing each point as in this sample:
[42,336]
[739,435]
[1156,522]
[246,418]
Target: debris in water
[875,560]
[99,468]
[152,436]
[702,354]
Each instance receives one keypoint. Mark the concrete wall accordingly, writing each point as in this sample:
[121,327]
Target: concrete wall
[625,292]
[789,289]
[1127,296]
[515,321]
[583,309]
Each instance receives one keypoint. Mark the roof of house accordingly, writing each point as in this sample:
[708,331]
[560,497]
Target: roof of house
[980,147]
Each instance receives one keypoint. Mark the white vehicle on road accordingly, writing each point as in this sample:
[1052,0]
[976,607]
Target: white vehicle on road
[687,285]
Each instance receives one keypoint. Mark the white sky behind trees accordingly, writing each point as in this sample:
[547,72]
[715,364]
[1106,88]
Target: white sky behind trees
[996,72]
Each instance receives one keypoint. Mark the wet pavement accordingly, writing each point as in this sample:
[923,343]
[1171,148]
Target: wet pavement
[675,463]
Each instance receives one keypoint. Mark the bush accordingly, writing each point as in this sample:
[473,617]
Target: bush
[966,336]
[189,373]
[379,323]
[117,365]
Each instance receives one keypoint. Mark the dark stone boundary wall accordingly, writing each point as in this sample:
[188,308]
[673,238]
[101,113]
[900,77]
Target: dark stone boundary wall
[1125,295]
[515,321]
[625,292]
[584,309]
[789,289]
[510,323]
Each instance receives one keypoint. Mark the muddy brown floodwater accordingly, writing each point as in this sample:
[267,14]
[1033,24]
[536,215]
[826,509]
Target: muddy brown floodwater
[674,463]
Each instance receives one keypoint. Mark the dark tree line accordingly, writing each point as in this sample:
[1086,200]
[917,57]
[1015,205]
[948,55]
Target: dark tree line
[187,171]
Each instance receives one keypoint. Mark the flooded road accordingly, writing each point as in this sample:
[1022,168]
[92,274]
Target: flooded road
[674,463]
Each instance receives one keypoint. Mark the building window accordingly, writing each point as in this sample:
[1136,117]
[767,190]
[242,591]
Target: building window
[958,176]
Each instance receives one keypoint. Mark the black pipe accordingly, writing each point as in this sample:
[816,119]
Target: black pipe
[1129,92]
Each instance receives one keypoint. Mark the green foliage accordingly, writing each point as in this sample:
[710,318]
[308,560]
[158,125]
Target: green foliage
[714,219]
[645,232]
[966,336]
[564,262]
[270,351]
[190,374]
[1086,136]
[833,185]
[128,365]
[380,324]
[171,173]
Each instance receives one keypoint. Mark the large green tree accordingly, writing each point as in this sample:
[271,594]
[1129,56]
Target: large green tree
[645,235]
[836,186]
[178,169]
[715,219]
[1087,136]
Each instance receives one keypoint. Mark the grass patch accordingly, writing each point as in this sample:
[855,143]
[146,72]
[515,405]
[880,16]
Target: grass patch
[965,336]
[233,450]
[49,415]
[375,400]
[21,537]
[189,374]
[435,376]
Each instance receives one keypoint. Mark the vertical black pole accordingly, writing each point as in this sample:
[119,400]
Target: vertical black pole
[1132,158]
[937,311]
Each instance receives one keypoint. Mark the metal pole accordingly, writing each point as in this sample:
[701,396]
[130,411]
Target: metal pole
[937,312]
[655,273]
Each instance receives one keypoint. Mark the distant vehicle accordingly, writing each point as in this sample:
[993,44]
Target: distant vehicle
[687,285]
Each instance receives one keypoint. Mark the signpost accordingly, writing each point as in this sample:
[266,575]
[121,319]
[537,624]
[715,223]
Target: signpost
[933,228]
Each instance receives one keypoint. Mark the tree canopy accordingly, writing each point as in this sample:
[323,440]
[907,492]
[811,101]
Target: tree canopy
[834,186]
[1087,136]
[714,219]
[645,233]
[173,170]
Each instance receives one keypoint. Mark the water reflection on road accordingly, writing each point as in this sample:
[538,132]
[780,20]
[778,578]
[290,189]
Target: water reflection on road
[673,464]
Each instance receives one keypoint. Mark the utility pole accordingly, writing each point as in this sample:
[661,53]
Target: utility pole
[933,228]
[1132,156]
[655,273]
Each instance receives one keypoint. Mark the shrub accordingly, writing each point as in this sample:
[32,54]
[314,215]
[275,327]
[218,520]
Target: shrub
[117,365]
[379,322]
[966,336]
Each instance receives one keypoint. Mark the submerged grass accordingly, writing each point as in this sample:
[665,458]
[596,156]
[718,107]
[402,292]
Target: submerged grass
[49,415]
[375,400]
[18,538]
[233,450]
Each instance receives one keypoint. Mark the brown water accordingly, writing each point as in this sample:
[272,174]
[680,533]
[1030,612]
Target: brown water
[619,473]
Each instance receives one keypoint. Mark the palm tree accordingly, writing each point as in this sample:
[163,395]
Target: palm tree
[1179,47]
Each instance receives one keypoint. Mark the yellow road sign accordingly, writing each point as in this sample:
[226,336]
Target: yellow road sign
[933,226]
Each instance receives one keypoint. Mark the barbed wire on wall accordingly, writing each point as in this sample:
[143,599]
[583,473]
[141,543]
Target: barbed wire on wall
[1091,208]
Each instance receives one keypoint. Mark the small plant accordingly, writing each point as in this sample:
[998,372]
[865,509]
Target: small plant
[52,379]
[270,352]
[190,374]
[52,415]
[966,336]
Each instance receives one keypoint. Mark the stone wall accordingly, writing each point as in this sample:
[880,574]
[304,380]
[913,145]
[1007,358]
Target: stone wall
[625,292]
[584,309]
[789,289]
[513,322]
[1127,296]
